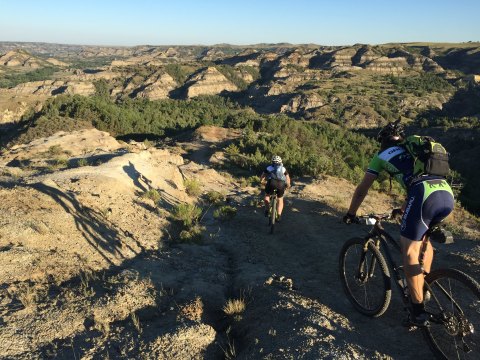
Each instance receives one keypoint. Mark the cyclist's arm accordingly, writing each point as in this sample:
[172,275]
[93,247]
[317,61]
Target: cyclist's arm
[360,192]
[289,183]
[263,177]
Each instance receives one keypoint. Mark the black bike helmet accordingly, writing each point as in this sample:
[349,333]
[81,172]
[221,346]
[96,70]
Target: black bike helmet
[392,133]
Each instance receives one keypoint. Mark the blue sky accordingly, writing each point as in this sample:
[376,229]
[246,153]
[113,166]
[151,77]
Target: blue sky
[241,22]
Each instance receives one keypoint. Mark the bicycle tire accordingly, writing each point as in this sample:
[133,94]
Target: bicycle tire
[349,278]
[273,215]
[457,293]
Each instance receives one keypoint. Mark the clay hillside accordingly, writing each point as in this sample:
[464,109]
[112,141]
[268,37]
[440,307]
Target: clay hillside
[131,216]
[342,84]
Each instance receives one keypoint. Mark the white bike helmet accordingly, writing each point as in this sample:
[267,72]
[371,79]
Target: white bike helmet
[276,159]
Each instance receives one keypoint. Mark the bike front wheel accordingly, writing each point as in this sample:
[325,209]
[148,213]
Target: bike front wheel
[453,301]
[365,277]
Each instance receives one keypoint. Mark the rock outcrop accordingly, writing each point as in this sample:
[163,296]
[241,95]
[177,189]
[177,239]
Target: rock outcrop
[21,58]
[303,102]
[157,87]
[49,87]
[13,113]
[209,81]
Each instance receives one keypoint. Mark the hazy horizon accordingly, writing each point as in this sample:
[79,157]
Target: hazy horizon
[213,22]
[233,45]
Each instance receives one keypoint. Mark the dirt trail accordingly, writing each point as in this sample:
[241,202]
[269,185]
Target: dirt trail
[305,250]
[300,262]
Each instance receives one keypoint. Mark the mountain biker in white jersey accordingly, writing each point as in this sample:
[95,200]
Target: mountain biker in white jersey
[429,201]
[276,177]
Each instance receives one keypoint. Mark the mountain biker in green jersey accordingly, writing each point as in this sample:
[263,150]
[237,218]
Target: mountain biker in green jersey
[276,177]
[429,201]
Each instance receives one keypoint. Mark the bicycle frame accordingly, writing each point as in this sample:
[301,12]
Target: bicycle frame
[381,238]
[448,316]
[272,210]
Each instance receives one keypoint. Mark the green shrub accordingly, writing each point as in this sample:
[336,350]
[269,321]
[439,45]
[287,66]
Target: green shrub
[254,180]
[60,162]
[215,197]
[152,194]
[188,214]
[192,187]
[231,74]
[55,150]
[192,234]
[148,144]
[225,212]
[57,163]
[178,72]
[82,162]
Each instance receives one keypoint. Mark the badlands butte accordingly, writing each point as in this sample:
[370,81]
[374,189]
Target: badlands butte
[130,217]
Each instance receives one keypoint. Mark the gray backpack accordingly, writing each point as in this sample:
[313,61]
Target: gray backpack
[278,173]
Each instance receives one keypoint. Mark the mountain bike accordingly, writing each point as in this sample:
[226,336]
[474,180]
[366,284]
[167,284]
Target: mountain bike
[272,210]
[451,297]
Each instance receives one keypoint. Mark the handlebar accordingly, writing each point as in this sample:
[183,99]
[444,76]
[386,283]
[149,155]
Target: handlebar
[372,219]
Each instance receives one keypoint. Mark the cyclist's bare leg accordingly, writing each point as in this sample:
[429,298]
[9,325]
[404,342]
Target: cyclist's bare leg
[266,200]
[428,258]
[413,269]
[280,206]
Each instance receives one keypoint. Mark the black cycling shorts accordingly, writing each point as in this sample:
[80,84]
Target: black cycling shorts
[428,203]
[275,184]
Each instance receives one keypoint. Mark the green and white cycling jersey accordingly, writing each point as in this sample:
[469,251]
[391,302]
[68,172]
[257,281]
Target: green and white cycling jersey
[396,161]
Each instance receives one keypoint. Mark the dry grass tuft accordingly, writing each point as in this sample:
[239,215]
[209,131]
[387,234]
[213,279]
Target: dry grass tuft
[235,306]
[136,322]
[193,310]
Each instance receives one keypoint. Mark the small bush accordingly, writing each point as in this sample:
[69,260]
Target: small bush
[28,296]
[215,197]
[148,144]
[188,214]
[192,186]
[58,163]
[254,181]
[243,182]
[192,234]
[225,212]
[82,162]
[152,194]
[86,280]
[55,150]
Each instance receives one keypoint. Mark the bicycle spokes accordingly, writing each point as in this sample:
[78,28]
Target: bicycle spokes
[366,267]
[454,305]
[366,285]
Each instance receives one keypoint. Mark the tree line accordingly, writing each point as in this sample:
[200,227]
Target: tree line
[307,147]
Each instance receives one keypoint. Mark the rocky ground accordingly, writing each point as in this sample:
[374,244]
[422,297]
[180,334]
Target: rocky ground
[93,268]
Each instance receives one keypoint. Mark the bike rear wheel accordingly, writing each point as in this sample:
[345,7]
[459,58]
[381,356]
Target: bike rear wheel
[365,277]
[273,213]
[454,305]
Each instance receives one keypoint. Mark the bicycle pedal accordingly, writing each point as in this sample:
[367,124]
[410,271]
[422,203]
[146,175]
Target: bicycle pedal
[408,325]
[412,325]
[427,296]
